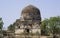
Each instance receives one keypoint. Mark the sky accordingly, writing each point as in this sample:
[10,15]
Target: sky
[10,10]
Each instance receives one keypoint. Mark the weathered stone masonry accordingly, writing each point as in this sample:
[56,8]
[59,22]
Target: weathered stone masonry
[29,21]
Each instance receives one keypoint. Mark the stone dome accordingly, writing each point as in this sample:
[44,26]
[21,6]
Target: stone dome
[31,13]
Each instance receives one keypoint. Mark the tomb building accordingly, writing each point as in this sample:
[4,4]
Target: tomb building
[29,21]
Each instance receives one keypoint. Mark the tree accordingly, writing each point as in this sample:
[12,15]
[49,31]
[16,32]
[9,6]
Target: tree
[11,27]
[1,26]
[44,27]
[52,25]
[1,23]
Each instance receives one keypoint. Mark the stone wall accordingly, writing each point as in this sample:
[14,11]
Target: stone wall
[33,36]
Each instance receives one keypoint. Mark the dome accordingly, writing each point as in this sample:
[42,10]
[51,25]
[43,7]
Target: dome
[31,13]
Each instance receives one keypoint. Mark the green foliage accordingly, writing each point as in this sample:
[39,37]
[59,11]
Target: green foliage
[44,27]
[1,23]
[51,25]
[44,24]
[11,27]
[1,26]
[54,24]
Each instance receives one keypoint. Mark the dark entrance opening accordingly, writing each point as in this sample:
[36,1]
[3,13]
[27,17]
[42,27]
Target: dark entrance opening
[27,30]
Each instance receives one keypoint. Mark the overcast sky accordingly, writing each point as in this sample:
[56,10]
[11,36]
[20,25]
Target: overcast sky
[10,10]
